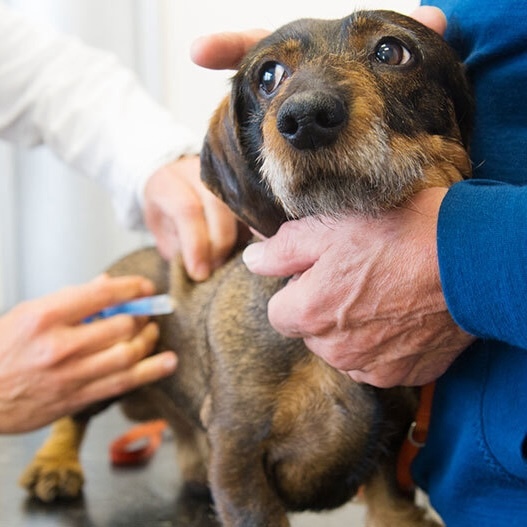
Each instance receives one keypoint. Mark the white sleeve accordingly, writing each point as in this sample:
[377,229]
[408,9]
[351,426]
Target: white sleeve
[87,108]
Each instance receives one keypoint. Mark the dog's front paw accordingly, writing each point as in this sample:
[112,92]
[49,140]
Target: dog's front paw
[51,478]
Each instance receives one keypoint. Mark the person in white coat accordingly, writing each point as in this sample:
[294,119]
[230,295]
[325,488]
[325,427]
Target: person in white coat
[92,112]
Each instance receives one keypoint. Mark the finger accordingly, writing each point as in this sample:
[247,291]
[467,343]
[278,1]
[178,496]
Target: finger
[194,242]
[75,303]
[175,213]
[193,225]
[224,50]
[146,371]
[119,357]
[290,310]
[84,339]
[387,375]
[164,231]
[222,228]
[375,379]
[431,17]
[358,376]
[333,347]
[293,249]
[73,342]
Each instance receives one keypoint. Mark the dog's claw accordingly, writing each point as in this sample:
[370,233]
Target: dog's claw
[49,480]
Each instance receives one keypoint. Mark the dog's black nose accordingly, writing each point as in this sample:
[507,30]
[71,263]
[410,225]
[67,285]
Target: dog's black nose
[310,120]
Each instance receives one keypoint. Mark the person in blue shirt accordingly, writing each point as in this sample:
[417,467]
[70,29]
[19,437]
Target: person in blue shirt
[475,463]
[445,279]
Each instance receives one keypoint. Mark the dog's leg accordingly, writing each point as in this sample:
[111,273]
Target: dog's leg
[55,471]
[387,507]
[242,495]
[192,455]
[192,448]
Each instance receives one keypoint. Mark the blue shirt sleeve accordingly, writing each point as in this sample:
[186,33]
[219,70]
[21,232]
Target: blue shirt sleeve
[482,247]
[483,222]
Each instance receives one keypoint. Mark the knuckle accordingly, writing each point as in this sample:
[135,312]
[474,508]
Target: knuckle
[120,385]
[133,351]
[33,318]
[303,320]
[111,386]
[103,290]
[126,326]
[285,241]
[357,376]
[381,381]
[126,355]
[52,349]
[191,209]
[378,376]
[106,291]
[340,351]
[364,343]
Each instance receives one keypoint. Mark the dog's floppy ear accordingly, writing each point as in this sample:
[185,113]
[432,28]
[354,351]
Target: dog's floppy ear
[226,173]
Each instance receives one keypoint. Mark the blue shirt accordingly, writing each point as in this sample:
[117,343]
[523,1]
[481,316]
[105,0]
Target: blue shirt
[474,465]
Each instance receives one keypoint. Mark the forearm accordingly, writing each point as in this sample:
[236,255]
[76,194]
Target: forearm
[85,106]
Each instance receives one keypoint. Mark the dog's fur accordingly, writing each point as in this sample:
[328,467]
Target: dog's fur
[324,117]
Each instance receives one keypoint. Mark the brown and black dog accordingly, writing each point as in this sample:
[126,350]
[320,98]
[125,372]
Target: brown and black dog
[325,117]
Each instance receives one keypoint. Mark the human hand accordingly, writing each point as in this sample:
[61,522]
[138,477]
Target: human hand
[185,216]
[431,17]
[365,293]
[52,364]
[225,50]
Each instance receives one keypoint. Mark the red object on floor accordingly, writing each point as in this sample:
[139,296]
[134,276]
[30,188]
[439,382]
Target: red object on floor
[139,444]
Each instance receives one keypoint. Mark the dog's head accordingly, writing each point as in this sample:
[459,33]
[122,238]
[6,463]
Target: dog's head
[328,116]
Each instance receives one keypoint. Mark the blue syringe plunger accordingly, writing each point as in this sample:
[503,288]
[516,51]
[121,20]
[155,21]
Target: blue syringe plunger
[146,306]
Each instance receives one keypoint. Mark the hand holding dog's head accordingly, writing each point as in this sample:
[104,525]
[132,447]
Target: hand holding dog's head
[333,116]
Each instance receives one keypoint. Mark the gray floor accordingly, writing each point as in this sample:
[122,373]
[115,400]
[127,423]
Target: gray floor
[149,496]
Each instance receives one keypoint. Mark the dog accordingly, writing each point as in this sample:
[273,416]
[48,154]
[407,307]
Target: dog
[324,117]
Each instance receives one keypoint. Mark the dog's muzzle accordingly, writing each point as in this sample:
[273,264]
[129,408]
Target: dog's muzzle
[311,119]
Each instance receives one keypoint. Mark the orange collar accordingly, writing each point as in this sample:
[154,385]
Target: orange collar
[415,439]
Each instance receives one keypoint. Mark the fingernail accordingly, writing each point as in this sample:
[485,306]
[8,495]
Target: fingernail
[201,272]
[252,254]
[170,361]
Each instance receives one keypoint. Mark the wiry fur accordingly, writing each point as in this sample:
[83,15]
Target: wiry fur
[267,425]
[402,121]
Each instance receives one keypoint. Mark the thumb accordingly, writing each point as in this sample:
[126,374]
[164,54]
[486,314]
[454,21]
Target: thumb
[431,17]
[224,50]
[292,250]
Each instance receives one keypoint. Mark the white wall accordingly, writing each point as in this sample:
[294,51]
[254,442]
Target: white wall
[57,228]
[62,227]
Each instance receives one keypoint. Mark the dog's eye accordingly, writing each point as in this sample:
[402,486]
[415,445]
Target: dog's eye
[272,75]
[392,53]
